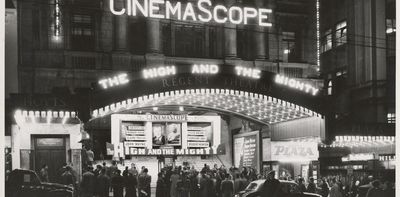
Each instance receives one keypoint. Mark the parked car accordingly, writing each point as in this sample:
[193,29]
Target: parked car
[26,183]
[288,189]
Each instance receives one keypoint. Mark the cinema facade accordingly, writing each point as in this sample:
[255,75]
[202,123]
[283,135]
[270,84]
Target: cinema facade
[191,115]
[166,92]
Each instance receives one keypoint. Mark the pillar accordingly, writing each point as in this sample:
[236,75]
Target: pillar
[230,37]
[106,28]
[120,28]
[153,36]
[259,37]
[272,37]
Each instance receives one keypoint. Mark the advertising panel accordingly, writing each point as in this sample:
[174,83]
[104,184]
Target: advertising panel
[199,134]
[133,134]
[167,134]
[247,150]
[154,134]
[294,151]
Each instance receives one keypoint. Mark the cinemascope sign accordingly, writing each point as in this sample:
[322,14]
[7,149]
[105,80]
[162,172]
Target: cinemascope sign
[203,11]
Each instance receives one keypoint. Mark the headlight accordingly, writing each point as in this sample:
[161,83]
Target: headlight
[236,195]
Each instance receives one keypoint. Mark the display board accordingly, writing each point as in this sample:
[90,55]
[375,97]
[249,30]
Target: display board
[153,134]
[246,149]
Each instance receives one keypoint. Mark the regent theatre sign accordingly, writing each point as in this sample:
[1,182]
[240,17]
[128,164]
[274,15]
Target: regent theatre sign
[203,11]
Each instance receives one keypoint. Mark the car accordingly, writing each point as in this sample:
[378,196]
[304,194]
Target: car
[288,189]
[26,183]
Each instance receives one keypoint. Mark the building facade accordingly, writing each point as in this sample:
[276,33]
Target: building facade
[358,66]
[65,47]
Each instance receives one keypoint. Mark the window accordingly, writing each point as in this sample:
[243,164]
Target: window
[326,41]
[391,118]
[390,26]
[289,46]
[330,87]
[341,33]
[189,41]
[82,32]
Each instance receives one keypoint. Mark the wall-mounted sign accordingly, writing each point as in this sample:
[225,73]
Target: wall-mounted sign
[248,72]
[159,71]
[296,84]
[181,134]
[359,157]
[294,151]
[203,11]
[114,81]
[124,150]
[205,69]
[246,150]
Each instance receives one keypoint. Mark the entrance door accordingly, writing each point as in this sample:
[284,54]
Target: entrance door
[50,151]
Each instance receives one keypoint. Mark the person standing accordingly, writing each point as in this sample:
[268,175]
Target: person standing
[44,173]
[302,187]
[335,190]
[130,185]
[144,181]
[375,190]
[226,187]
[174,184]
[324,188]
[117,182]
[133,170]
[161,188]
[311,187]
[388,189]
[103,184]
[271,186]
[237,184]
[88,183]
[67,178]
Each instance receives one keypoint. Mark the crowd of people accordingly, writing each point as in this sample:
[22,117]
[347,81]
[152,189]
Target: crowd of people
[208,182]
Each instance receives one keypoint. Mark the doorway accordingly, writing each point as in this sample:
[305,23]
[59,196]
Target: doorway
[50,150]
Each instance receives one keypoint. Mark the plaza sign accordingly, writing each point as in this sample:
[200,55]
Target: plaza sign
[294,151]
[203,11]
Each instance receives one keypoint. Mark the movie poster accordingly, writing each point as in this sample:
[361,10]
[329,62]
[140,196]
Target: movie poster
[167,134]
[246,150]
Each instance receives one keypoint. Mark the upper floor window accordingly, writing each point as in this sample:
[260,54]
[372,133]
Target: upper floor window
[390,26]
[326,42]
[391,117]
[289,46]
[82,32]
[341,33]
[330,87]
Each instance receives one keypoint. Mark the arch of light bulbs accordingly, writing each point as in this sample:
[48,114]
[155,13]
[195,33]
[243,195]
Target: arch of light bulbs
[353,141]
[25,116]
[259,107]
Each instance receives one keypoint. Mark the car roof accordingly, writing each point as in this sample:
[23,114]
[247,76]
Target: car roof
[281,181]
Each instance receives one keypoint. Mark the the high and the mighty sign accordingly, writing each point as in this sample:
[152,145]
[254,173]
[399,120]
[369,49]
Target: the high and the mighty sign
[203,12]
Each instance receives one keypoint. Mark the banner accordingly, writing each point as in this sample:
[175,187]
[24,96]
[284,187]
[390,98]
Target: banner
[122,150]
[294,151]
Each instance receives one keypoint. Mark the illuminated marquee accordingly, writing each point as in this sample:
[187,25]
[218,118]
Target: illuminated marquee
[205,69]
[203,11]
[114,81]
[161,71]
[248,72]
[296,84]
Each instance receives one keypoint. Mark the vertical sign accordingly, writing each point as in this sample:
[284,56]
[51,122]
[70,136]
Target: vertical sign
[247,150]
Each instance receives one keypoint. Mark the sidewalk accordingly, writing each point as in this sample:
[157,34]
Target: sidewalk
[153,193]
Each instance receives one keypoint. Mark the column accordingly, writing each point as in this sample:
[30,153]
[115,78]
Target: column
[106,28]
[120,28]
[153,36]
[272,53]
[230,41]
[259,37]
[230,36]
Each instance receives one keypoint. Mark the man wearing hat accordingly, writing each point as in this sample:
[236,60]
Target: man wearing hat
[271,186]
